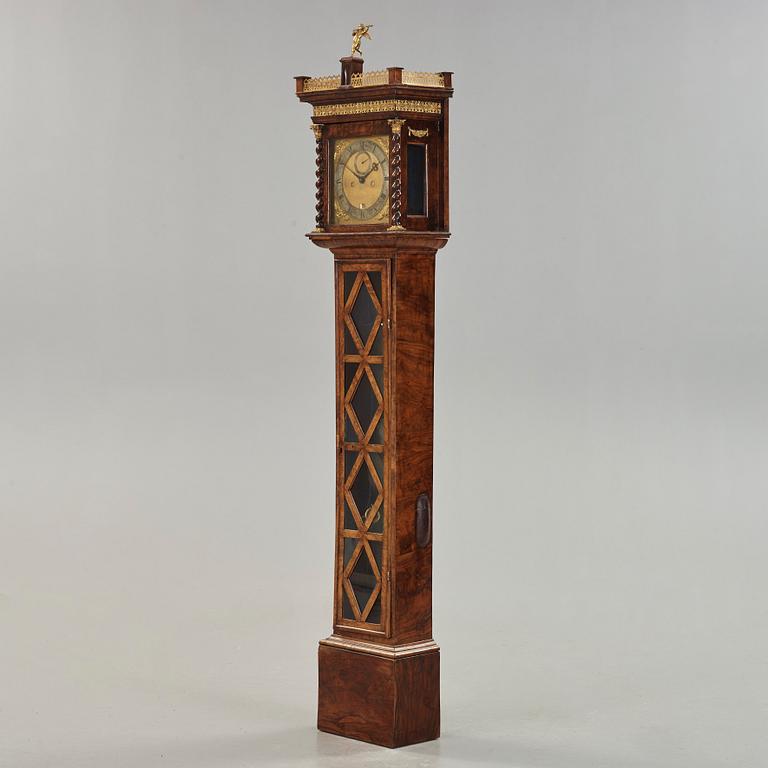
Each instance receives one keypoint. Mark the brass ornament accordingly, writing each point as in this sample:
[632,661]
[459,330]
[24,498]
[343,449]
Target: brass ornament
[358,33]
[376,77]
[384,105]
[419,134]
[324,83]
[425,79]
[396,124]
[317,130]
[364,79]
[341,217]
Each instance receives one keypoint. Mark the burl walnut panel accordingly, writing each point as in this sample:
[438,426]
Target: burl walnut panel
[389,702]
[413,330]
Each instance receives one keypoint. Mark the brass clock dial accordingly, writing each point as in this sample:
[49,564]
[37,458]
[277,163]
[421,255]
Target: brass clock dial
[361,181]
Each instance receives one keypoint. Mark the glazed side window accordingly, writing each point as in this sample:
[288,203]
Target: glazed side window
[417,179]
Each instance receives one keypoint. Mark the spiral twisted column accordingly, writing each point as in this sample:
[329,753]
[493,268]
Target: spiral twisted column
[395,171]
[319,174]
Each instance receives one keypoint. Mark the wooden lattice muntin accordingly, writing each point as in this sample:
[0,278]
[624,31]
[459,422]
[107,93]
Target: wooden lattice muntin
[362,494]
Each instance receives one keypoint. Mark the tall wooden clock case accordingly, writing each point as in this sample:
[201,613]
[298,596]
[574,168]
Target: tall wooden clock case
[382,210]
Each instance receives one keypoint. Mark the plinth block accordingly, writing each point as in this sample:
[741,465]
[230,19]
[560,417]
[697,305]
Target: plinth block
[389,697]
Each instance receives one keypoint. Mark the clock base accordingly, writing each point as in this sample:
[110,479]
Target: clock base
[385,695]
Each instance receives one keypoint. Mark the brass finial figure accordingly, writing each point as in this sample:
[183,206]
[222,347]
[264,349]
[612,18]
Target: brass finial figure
[358,33]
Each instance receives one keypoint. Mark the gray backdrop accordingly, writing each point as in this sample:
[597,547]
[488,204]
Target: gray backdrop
[166,383]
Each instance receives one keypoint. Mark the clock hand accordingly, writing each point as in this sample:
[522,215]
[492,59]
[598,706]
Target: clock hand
[374,167]
[362,159]
[360,178]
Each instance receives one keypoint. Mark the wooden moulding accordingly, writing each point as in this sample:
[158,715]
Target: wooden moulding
[386,244]
[346,95]
[386,700]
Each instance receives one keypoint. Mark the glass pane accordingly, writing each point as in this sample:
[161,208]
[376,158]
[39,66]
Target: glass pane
[349,520]
[374,617]
[363,313]
[378,464]
[349,549]
[377,370]
[365,403]
[350,348]
[350,436]
[346,607]
[362,579]
[350,369]
[349,461]
[349,281]
[377,348]
[417,179]
[376,549]
[375,278]
[364,491]
[377,526]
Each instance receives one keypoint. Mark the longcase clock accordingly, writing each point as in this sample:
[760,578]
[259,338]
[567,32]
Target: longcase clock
[382,210]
